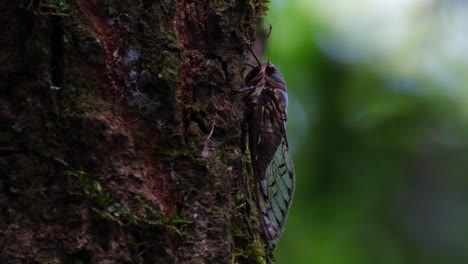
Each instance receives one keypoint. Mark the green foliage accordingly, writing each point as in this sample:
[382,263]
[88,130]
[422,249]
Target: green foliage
[42,261]
[250,244]
[91,189]
[379,145]
[47,7]
[254,254]
[17,127]
[142,216]
[59,7]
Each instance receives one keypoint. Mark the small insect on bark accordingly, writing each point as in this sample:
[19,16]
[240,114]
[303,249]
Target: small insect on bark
[267,103]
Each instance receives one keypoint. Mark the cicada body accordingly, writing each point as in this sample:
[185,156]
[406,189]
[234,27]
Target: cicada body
[271,161]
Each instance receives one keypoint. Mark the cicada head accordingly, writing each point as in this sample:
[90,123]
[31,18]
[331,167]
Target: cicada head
[274,77]
[270,69]
[266,71]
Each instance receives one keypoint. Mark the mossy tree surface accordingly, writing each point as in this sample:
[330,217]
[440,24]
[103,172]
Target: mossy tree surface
[106,109]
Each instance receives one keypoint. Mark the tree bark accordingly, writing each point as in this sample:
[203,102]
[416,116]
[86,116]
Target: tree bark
[120,132]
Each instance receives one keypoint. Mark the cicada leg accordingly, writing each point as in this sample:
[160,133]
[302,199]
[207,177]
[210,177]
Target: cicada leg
[245,89]
[243,143]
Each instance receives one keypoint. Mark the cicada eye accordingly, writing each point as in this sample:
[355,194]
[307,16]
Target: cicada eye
[270,69]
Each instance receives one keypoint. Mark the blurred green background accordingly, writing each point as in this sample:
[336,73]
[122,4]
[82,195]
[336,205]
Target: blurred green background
[378,128]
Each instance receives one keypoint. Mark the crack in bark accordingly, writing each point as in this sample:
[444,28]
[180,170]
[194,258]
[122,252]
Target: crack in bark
[57,49]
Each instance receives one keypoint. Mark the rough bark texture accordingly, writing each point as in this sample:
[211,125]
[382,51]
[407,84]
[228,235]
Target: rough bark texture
[106,108]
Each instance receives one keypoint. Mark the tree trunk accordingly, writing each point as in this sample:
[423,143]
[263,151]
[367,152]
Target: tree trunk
[120,132]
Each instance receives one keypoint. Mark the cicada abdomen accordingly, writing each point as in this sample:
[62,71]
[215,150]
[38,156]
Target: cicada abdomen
[271,161]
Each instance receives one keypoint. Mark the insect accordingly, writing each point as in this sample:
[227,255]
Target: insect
[267,103]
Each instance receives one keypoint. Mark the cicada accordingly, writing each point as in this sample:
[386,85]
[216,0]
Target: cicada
[267,103]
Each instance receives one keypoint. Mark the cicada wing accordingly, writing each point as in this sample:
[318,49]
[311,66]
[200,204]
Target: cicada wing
[276,193]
